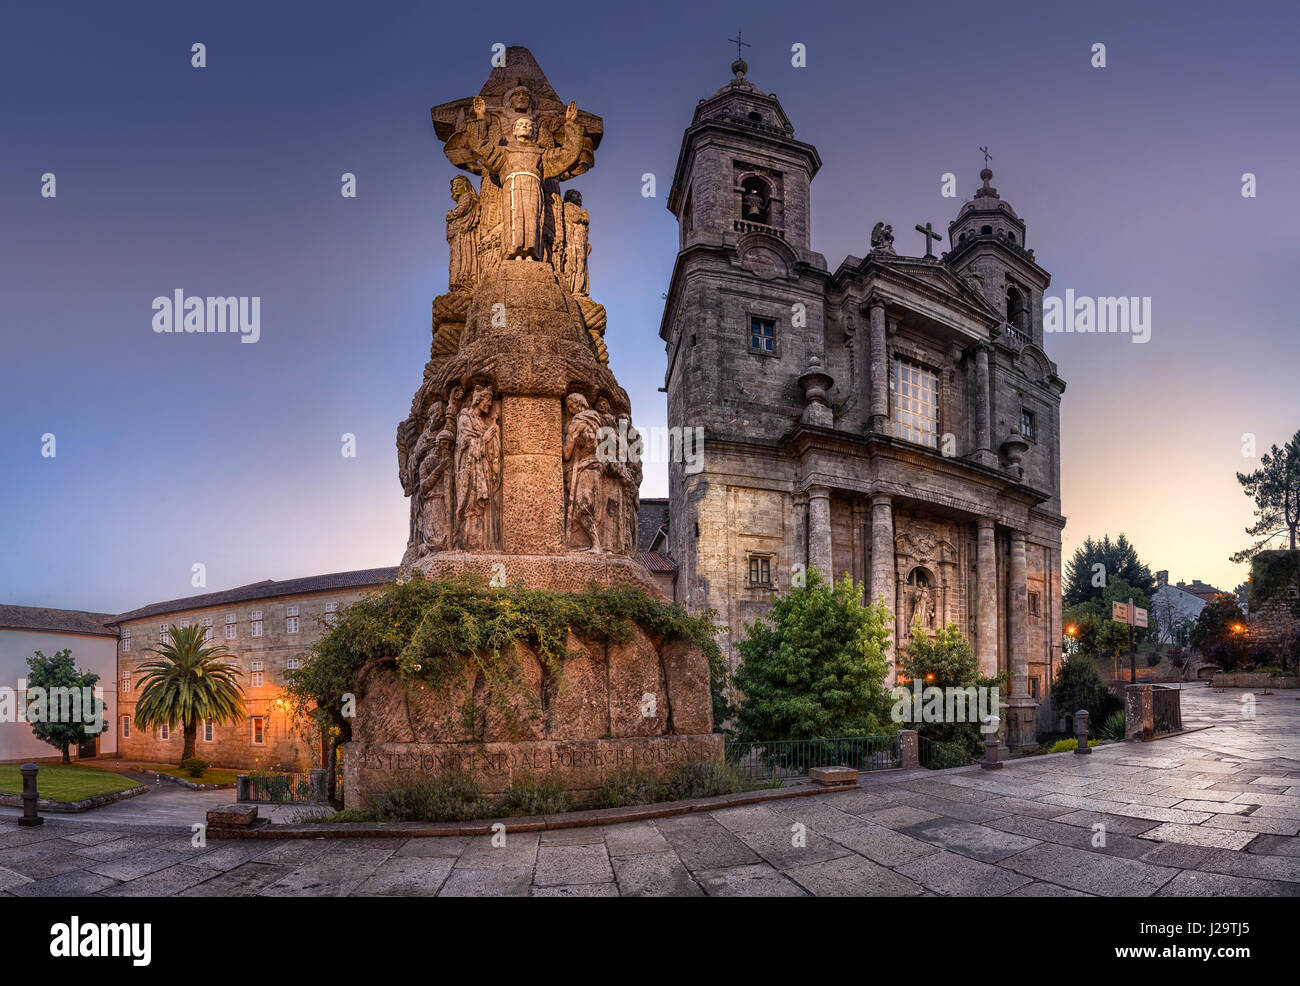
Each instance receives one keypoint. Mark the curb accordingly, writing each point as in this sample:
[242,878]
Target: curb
[534,823]
[75,807]
[186,782]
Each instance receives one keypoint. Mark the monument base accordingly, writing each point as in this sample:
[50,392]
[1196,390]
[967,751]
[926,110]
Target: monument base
[573,571]
[581,766]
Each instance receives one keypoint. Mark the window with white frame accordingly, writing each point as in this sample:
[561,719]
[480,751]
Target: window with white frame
[164,732]
[126,682]
[207,629]
[183,624]
[126,640]
[126,727]
[331,614]
[914,403]
[230,626]
[208,728]
[162,633]
[259,731]
[294,663]
[255,623]
[256,665]
[1027,424]
[257,679]
[291,619]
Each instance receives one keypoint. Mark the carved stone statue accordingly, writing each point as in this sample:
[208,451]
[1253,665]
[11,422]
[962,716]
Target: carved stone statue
[577,223]
[882,237]
[520,165]
[435,485]
[586,474]
[632,489]
[462,235]
[478,472]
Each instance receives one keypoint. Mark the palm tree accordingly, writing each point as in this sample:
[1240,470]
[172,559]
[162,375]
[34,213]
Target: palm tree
[189,682]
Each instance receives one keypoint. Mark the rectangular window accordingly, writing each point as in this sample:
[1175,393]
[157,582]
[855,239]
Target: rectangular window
[208,727]
[291,624]
[760,571]
[1034,604]
[256,666]
[230,631]
[259,731]
[1033,687]
[331,614]
[162,633]
[126,640]
[1027,423]
[255,624]
[126,682]
[183,624]
[914,403]
[164,731]
[126,727]
[207,629]
[257,679]
[291,611]
[762,336]
[295,663]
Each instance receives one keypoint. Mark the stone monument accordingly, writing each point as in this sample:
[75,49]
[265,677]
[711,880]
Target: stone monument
[506,457]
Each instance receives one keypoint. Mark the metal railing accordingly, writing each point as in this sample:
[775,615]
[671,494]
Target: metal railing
[277,789]
[1166,709]
[940,756]
[784,759]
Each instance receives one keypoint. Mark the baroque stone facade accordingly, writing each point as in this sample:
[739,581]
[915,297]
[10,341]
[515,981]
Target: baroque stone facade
[895,418]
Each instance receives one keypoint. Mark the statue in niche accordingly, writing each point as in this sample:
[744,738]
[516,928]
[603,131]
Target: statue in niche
[410,471]
[577,224]
[478,472]
[615,478]
[435,480]
[553,226]
[462,235]
[520,165]
[632,489]
[586,479]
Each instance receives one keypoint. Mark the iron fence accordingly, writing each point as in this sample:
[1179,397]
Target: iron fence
[1166,709]
[940,756]
[784,759]
[280,789]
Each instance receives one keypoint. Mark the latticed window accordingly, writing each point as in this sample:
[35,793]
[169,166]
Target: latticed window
[760,571]
[762,336]
[1027,423]
[914,403]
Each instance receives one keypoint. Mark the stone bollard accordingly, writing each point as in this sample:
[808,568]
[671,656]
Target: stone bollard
[317,775]
[909,749]
[30,797]
[1081,731]
[992,747]
[243,791]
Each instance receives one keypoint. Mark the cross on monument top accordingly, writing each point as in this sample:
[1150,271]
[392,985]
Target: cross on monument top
[739,44]
[930,235]
[987,156]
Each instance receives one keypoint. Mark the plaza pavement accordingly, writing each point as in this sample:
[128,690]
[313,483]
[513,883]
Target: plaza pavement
[1211,812]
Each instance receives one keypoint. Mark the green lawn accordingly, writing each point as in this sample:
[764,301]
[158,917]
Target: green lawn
[209,776]
[64,782]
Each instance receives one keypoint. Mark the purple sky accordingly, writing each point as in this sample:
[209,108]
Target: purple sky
[173,450]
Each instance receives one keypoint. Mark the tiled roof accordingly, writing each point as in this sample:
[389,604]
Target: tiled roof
[656,562]
[55,620]
[266,589]
[652,515]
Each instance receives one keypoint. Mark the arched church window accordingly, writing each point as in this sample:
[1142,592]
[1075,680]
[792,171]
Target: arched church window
[755,200]
[1017,310]
[986,230]
[756,116]
[918,577]
[1011,237]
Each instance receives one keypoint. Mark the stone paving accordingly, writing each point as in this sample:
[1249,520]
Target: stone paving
[1214,812]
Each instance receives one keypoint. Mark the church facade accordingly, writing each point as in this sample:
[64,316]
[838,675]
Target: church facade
[895,418]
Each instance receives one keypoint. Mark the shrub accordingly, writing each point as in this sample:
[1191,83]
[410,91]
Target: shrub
[704,779]
[623,788]
[1066,745]
[194,766]
[346,815]
[1114,727]
[453,797]
[816,666]
[1078,685]
[533,797]
[1153,658]
[945,662]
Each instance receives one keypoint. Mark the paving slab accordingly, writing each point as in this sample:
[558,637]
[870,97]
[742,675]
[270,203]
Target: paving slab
[976,841]
[407,876]
[958,876]
[1094,873]
[853,876]
[654,875]
[572,864]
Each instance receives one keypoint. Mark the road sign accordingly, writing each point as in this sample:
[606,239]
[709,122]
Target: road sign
[1119,612]
[1139,617]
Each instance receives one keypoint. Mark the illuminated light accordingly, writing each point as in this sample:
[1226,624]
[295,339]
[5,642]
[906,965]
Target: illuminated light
[930,676]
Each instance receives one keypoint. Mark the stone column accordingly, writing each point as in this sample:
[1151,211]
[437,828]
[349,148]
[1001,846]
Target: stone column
[983,406]
[801,529]
[882,549]
[986,598]
[532,475]
[1022,711]
[879,369]
[819,530]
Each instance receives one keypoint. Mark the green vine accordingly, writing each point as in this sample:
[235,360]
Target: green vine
[438,632]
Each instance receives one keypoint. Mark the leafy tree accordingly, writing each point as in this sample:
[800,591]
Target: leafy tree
[817,668]
[189,682]
[1119,561]
[1078,685]
[1275,488]
[947,661]
[1097,634]
[1220,631]
[57,725]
